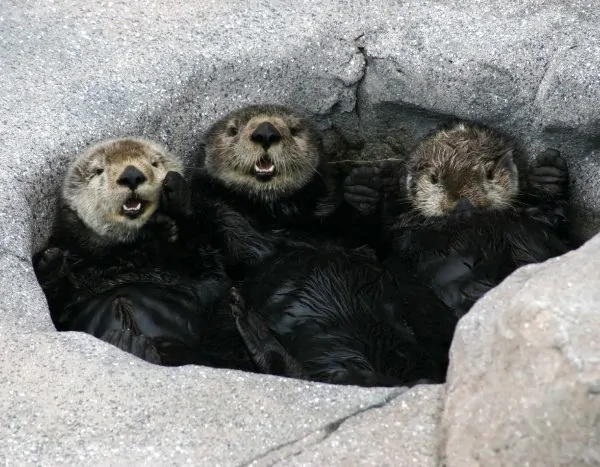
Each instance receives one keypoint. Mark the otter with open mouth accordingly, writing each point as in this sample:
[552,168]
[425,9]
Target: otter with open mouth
[267,153]
[112,190]
[267,164]
[118,267]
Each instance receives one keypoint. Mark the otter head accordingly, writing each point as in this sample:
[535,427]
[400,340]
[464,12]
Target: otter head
[114,187]
[461,168]
[263,150]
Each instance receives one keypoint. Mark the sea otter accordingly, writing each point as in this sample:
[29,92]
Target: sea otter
[476,213]
[267,164]
[117,266]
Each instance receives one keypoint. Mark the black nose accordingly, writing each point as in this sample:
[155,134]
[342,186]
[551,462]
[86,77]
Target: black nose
[265,134]
[131,177]
[463,205]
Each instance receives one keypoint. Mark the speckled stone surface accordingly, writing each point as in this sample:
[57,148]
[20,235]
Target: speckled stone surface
[397,434]
[70,399]
[73,73]
[523,386]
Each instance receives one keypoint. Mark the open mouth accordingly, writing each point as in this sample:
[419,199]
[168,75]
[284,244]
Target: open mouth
[132,208]
[264,169]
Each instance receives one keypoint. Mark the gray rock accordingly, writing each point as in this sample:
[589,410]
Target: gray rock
[71,399]
[370,72]
[403,432]
[523,386]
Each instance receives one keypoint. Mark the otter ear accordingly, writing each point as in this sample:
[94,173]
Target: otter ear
[506,157]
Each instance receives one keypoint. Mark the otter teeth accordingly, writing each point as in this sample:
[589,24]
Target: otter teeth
[264,170]
[129,208]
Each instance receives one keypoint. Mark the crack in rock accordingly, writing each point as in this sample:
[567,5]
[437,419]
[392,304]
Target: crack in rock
[353,84]
[297,446]
[359,85]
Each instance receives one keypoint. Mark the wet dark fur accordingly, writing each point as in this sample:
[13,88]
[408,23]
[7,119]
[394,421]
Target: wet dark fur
[337,316]
[322,312]
[172,296]
[462,257]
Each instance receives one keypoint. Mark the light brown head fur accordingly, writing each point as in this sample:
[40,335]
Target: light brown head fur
[245,162]
[114,186]
[465,163]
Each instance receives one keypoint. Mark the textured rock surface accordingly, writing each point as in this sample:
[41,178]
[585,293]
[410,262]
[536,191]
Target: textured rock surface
[524,382]
[70,399]
[76,72]
[399,434]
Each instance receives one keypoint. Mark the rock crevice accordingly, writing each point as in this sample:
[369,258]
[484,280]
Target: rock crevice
[295,447]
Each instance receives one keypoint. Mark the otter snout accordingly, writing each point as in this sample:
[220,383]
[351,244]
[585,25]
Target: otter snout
[131,177]
[265,135]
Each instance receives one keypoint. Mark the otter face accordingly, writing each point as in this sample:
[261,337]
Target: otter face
[114,187]
[264,150]
[462,168]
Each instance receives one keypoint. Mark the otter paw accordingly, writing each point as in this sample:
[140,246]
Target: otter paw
[549,175]
[362,188]
[553,214]
[393,177]
[166,227]
[128,341]
[123,309]
[49,259]
[175,196]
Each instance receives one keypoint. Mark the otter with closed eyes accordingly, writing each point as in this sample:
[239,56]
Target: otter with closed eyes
[476,213]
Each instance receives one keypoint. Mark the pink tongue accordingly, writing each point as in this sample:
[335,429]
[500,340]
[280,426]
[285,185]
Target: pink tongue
[264,165]
[132,204]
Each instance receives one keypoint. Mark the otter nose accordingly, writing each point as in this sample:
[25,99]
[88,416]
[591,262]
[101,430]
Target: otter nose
[265,135]
[463,205]
[131,177]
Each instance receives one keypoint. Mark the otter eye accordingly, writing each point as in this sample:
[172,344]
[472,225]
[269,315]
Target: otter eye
[433,178]
[295,130]
[490,174]
[98,171]
[155,164]
[232,130]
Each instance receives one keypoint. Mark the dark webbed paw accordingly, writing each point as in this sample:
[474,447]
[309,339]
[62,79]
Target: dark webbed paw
[49,260]
[165,227]
[175,198]
[548,175]
[135,344]
[393,177]
[363,187]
